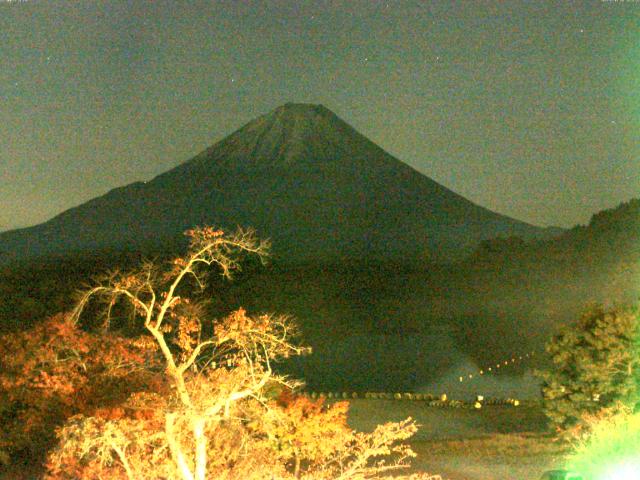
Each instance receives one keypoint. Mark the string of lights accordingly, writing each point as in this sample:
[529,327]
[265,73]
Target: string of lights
[496,368]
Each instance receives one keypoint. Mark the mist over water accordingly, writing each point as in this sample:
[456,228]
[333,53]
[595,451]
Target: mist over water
[498,384]
[421,363]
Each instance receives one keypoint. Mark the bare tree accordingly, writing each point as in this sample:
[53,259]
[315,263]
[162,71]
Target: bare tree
[218,419]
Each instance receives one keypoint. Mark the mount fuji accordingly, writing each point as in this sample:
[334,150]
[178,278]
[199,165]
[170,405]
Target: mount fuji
[299,175]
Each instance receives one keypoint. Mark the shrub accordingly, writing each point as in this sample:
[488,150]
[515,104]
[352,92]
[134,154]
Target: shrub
[610,449]
[595,366]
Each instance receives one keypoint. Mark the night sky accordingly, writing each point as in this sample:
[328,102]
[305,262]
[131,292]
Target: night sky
[529,109]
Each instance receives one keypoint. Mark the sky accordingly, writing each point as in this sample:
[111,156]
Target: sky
[531,109]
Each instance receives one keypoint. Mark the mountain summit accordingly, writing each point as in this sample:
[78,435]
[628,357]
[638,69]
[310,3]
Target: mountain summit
[299,175]
[290,133]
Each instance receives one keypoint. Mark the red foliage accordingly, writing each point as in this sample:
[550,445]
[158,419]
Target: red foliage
[56,370]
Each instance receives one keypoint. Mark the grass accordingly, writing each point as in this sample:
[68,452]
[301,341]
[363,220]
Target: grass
[494,457]
[492,443]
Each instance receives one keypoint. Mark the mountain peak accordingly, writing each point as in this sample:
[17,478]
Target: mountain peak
[295,118]
[291,134]
[309,114]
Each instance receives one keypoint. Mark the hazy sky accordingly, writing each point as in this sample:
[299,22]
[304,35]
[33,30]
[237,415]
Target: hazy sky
[530,109]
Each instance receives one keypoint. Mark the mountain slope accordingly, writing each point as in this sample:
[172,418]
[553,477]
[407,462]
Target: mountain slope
[299,175]
[611,237]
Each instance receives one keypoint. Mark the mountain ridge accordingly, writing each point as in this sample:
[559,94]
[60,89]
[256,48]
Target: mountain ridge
[298,174]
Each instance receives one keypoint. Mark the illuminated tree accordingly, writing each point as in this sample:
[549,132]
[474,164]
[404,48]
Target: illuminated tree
[610,450]
[55,370]
[218,416]
[596,366]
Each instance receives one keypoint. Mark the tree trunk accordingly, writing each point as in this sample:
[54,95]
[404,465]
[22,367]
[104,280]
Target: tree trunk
[174,448]
[201,448]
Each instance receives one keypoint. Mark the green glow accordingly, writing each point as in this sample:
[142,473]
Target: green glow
[612,451]
[626,471]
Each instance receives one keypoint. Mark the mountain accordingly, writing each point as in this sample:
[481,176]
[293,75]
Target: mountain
[511,286]
[611,237]
[300,176]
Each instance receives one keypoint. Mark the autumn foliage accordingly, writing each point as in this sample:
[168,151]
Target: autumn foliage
[188,397]
[56,370]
